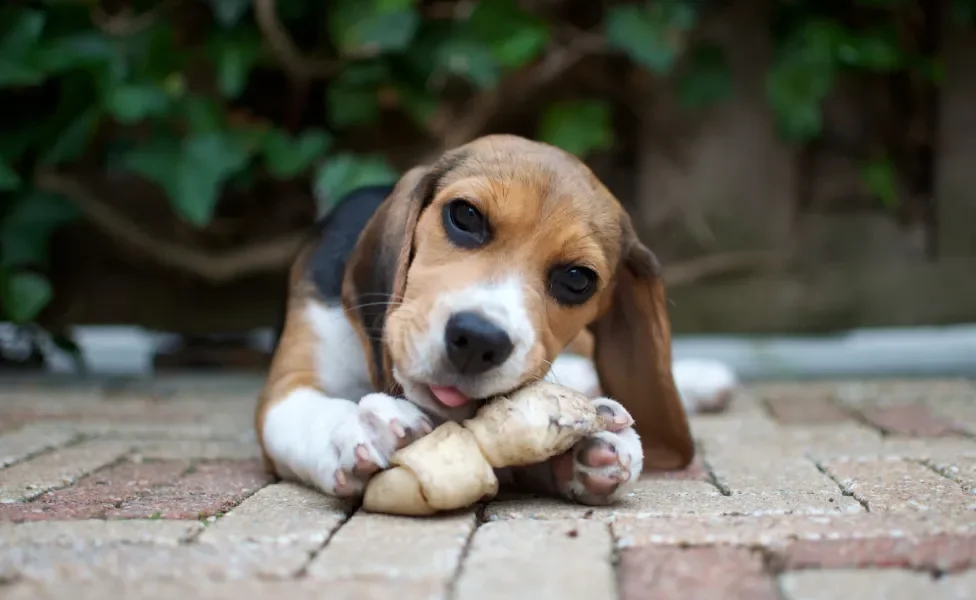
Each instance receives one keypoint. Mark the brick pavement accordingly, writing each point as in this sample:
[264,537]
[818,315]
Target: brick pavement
[812,490]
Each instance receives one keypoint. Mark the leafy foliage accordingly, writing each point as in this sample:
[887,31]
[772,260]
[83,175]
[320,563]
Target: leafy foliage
[199,108]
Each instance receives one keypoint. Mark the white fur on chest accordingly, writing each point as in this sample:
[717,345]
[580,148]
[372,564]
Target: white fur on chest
[340,359]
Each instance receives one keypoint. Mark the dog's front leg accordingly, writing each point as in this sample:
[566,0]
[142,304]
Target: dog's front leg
[335,444]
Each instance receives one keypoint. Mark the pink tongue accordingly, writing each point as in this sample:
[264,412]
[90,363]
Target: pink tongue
[449,396]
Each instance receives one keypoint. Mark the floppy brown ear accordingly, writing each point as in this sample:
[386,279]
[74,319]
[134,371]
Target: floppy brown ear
[376,272]
[632,354]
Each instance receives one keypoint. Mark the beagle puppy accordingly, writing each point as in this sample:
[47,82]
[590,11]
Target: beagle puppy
[503,262]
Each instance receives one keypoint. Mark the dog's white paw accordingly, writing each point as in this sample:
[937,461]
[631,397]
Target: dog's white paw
[363,443]
[600,469]
[704,385]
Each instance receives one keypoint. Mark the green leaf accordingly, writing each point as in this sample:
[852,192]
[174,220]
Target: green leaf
[73,139]
[802,75]
[22,33]
[18,43]
[228,13]
[708,78]
[880,178]
[578,127]
[203,114]
[26,231]
[369,27]
[345,172]
[287,157]
[353,98]
[874,50]
[234,57]
[513,35]
[25,295]
[193,172]
[9,179]
[88,49]
[131,103]
[470,59]
[652,35]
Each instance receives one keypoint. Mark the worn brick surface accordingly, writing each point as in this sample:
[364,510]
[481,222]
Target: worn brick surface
[898,485]
[97,532]
[910,420]
[538,560]
[139,561]
[815,410]
[662,497]
[210,488]
[943,552]
[767,480]
[32,478]
[249,589]
[694,574]
[32,439]
[95,495]
[282,513]
[387,547]
[961,469]
[197,449]
[886,584]
[775,531]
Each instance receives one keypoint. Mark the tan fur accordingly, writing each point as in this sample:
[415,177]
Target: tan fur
[545,207]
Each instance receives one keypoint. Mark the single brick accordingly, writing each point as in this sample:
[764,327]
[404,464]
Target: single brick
[210,488]
[763,476]
[198,450]
[676,497]
[387,547]
[281,513]
[134,562]
[700,573]
[96,494]
[97,532]
[816,410]
[695,472]
[909,420]
[569,560]
[896,485]
[32,478]
[777,531]
[32,439]
[944,552]
[236,589]
[889,584]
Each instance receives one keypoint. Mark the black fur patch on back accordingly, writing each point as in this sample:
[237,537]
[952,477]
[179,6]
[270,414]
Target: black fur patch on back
[337,235]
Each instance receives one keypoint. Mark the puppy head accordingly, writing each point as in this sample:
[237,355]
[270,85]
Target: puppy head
[505,250]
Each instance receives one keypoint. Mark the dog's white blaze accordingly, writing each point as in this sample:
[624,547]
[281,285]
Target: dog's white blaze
[503,303]
[339,359]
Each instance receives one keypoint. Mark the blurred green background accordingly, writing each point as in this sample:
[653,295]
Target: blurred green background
[799,166]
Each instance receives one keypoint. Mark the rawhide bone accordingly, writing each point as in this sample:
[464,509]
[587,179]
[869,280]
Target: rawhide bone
[452,467]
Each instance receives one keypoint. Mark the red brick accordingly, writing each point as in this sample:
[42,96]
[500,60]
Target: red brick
[695,471]
[815,410]
[210,488]
[700,573]
[909,420]
[97,494]
[942,552]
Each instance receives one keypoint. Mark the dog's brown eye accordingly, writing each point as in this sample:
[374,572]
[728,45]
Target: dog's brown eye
[465,225]
[572,285]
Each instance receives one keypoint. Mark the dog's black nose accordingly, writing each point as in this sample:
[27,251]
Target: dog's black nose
[475,344]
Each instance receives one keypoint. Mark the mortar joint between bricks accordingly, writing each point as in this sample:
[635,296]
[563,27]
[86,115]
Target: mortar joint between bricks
[713,479]
[451,592]
[843,490]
